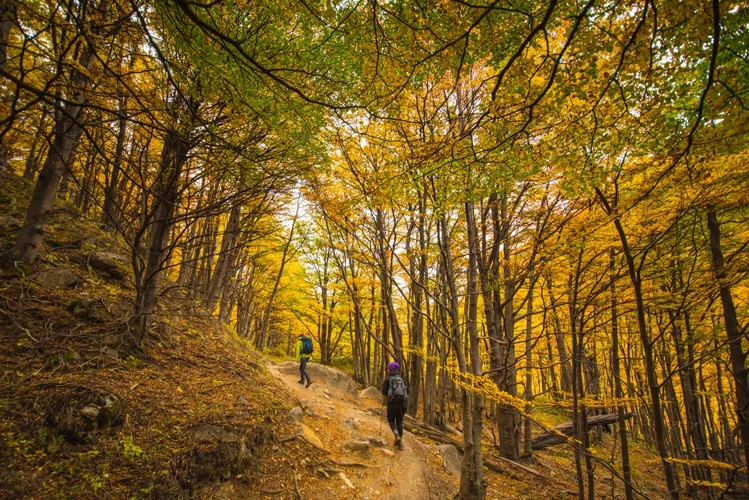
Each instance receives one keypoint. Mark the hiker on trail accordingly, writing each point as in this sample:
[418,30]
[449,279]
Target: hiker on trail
[396,391]
[303,353]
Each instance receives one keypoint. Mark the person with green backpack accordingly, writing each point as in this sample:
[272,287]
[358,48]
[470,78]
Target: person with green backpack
[396,391]
[304,350]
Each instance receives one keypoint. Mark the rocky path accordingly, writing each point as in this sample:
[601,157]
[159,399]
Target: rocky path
[341,419]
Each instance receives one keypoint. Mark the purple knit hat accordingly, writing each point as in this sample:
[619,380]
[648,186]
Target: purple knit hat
[393,366]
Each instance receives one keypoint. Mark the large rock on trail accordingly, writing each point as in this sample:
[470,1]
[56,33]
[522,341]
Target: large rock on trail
[371,393]
[330,376]
[56,278]
[355,445]
[451,458]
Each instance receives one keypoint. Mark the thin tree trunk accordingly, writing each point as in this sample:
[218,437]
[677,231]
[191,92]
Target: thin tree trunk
[564,361]
[508,417]
[173,159]
[223,264]
[528,362]
[7,18]
[269,306]
[32,160]
[734,334]
[472,483]
[618,392]
[647,347]
[109,214]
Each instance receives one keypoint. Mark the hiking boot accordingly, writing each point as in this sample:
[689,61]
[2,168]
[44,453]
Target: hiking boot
[400,444]
[309,383]
[300,382]
[397,442]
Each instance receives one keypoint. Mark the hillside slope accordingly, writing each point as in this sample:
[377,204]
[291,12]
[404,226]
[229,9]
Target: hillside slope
[85,415]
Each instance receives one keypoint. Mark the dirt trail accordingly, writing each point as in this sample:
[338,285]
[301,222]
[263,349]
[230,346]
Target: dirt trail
[336,415]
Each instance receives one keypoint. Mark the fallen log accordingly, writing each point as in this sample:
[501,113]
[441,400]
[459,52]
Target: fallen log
[559,434]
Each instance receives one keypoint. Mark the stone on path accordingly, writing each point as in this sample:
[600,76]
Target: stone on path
[375,441]
[346,480]
[310,436]
[296,415]
[355,445]
[450,458]
[370,393]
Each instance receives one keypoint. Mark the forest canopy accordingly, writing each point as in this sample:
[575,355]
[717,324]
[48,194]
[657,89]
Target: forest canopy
[526,203]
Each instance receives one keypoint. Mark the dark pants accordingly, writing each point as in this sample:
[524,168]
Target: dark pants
[303,370]
[395,417]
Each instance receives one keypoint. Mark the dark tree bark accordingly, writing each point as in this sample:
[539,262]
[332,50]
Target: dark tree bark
[42,136]
[417,322]
[390,320]
[67,132]
[564,360]
[508,418]
[174,156]
[7,18]
[472,482]
[647,347]
[225,258]
[618,392]
[265,320]
[109,212]
[734,334]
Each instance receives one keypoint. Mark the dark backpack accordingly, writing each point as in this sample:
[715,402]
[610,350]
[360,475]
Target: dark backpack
[307,347]
[397,392]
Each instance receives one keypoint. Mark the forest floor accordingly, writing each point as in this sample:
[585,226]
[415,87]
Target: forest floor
[196,412]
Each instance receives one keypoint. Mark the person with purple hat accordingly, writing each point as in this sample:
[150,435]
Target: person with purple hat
[396,391]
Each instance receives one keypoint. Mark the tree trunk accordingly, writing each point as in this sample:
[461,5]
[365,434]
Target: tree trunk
[261,338]
[7,18]
[647,347]
[225,258]
[417,362]
[472,482]
[528,362]
[173,158]
[109,214]
[66,136]
[508,418]
[42,135]
[564,361]
[390,320]
[618,392]
[733,333]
